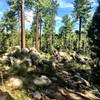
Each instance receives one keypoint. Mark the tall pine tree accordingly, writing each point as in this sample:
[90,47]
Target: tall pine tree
[94,34]
[81,12]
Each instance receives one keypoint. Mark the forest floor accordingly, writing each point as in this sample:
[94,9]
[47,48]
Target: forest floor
[31,75]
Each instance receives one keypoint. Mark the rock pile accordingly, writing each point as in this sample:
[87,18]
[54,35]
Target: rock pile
[52,76]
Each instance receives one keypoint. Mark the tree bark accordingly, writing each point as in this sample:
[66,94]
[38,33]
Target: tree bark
[40,33]
[37,28]
[23,42]
[52,38]
[80,25]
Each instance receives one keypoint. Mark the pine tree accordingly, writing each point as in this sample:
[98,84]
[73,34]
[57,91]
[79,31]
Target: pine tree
[94,34]
[81,12]
[66,28]
[49,23]
[17,6]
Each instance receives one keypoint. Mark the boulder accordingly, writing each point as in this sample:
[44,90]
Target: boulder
[54,78]
[80,58]
[31,69]
[34,58]
[34,52]
[33,49]
[37,95]
[81,80]
[62,54]
[15,83]
[65,72]
[12,60]
[42,81]
[28,62]
[25,50]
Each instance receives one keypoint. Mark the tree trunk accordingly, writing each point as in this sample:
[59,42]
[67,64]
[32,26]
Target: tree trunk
[40,34]
[37,28]
[19,28]
[23,42]
[80,24]
[52,38]
[33,40]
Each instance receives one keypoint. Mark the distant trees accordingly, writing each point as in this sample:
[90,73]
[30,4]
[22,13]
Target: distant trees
[13,21]
[44,10]
[66,29]
[42,34]
[8,26]
[94,35]
[81,13]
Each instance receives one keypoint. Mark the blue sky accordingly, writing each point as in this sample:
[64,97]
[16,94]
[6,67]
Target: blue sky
[65,7]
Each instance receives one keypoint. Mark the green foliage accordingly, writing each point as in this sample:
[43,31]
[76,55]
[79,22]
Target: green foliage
[9,22]
[67,27]
[81,13]
[94,35]
[28,39]
[49,24]
[3,42]
[65,30]
[82,9]
[8,25]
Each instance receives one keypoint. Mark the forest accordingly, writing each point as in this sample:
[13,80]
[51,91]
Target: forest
[44,59]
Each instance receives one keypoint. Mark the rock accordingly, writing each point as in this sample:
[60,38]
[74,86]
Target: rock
[37,95]
[31,69]
[34,58]
[82,80]
[86,58]
[42,81]
[54,95]
[5,57]
[12,60]
[28,62]
[15,83]
[5,96]
[54,64]
[72,54]
[80,58]
[54,78]
[6,54]
[6,67]
[47,98]
[33,50]
[65,72]
[62,54]
[25,50]
[3,61]
[95,91]
[18,61]
[57,56]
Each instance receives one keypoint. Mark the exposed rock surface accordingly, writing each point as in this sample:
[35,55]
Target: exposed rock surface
[49,79]
[42,81]
[15,83]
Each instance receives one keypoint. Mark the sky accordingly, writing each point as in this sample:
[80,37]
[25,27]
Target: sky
[65,8]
